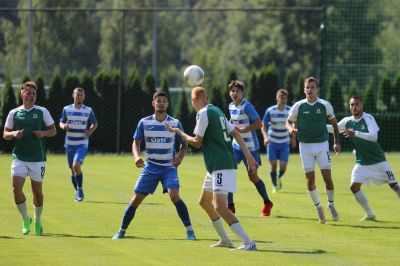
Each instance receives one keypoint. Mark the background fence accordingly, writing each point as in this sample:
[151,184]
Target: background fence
[122,51]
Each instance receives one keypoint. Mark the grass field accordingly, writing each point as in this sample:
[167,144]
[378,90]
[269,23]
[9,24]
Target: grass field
[80,233]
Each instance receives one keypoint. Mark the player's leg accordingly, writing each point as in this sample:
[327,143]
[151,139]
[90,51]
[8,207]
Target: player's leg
[79,156]
[272,158]
[283,158]
[362,200]
[206,203]
[19,171]
[36,172]
[396,188]
[239,156]
[70,152]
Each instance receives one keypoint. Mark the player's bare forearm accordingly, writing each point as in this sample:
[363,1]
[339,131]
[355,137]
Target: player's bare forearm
[336,145]
[9,134]
[252,165]
[291,126]
[90,131]
[50,132]
[195,141]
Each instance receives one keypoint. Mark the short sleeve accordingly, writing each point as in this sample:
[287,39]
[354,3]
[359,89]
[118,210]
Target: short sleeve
[47,119]
[139,132]
[251,112]
[293,112]
[201,123]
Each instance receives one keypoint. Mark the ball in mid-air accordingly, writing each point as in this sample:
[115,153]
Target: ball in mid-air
[193,75]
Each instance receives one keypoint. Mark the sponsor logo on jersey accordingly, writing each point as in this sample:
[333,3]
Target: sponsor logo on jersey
[158,140]
[35,116]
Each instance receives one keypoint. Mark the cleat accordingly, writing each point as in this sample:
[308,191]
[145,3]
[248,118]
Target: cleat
[119,235]
[232,207]
[250,246]
[38,228]
[274,190]
[278,184]
[267,209]
[26,225]
[222,244]
[321,216]
[335,215]
[79,195]
[369,218]
[190,235]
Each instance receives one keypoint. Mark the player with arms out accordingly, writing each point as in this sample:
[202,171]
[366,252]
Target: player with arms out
[246,121]
[277,137]
[80,122]
[307,118]
[161,164]
[28,125]
[211,133]
[371,164]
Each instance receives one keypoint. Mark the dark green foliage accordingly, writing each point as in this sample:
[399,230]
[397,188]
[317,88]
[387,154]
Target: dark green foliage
[71,81]
[334,95]
[40,93]
[182,112]
[266,90]
[299,90]
[385,91]
[353,90]
[370,99]
[396,88]
[288,85]
[216,98]
[8,102]
[165,88]
[149,88]
[225,91]
[250,91]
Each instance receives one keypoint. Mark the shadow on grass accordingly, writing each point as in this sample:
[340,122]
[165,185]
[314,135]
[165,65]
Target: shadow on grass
[369,226]
[8,237]
[121,203]
[306,252]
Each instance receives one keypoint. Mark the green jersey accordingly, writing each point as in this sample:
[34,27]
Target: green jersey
[311,120]
[29,148]
[213,127]
[368,150]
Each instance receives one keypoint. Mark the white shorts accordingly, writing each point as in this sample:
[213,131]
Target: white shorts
[23,169]
[221,181]
[315,152]
[378,173]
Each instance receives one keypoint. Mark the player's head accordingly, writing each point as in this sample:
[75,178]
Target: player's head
[311,88]
[356,105]
[78,95]
[160,102]
[236,88]
[28,92]
[282,97]
[199,98]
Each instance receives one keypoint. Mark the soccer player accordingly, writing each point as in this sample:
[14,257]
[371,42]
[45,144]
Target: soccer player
[277,138]
[307,118]
[28,125]
[246,121]
[79,121]
[161,164]
[371,164]
[211,133]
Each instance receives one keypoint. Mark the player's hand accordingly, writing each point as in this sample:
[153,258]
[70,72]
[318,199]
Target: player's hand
[169,128]
[241,129]
[251,164]
[293,131]
[348,133]
[266,141]
[88,133]
[18,134]
[177,161]
[337,149]
[39,134]
[65,126]
[139,162]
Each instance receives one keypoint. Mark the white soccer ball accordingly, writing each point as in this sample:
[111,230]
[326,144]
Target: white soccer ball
[193,75]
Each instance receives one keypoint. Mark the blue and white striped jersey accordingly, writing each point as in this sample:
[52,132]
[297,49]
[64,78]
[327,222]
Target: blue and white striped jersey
[78,121]
[275,119]
[160,143]
[245,114]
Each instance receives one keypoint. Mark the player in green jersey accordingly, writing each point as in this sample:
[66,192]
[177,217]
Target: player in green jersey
[371,164]
[28,125]
[211,133]
[307,118]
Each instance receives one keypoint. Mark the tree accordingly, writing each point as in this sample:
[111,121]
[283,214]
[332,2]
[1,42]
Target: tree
[225,91]
[266,90]
[353,90]
[396,88]
[299,90]
[8,102]
[289,86]
[370,99]
[149,88]
[334,95]
[216,98]
[40,93]
[385,92]
[165,88]
[183,113]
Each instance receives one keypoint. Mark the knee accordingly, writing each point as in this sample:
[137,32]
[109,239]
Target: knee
[203,203]
[354,188]
[174,197]
[76,168]
[253,177]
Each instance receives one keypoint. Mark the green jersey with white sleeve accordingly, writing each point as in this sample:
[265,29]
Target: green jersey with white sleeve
[214,128]
[368,150]
[311,119]
[29,148]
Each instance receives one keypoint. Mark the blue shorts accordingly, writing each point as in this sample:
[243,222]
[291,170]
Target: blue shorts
[76,154]
[239,156]
[278,151]
[152,174]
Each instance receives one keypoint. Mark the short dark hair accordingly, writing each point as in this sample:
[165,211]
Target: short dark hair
[356,97]
[282,91]
[312,79]
[79,89]
[160,93]
[28,84]
[236,84]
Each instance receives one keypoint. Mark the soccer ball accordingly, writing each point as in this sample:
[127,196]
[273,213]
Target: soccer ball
[193,75]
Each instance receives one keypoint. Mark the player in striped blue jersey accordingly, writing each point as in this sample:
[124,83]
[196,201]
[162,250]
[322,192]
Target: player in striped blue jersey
[246,121]
[277,137]
[161,164]
[79,122]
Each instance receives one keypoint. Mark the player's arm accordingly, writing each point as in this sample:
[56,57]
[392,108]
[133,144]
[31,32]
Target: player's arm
[91,129]
[264,130]
[336,145]
[195,141]
[371,135]
[9,134]
[63,120]
[136,153]
[253,126]
[252,165]
[182,151]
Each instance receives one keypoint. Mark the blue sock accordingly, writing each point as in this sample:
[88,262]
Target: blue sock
[262,191]
[230,198]
[183,212]
[281,173]
[79,180]
[129,213]
[273,178]
[73,180]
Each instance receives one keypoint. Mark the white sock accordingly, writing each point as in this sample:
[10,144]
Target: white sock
[396,188]
[362,200]
[330,194]
[219,227]
[189,228]
[314,196]
[38,213]
[22,210]
[238,230]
